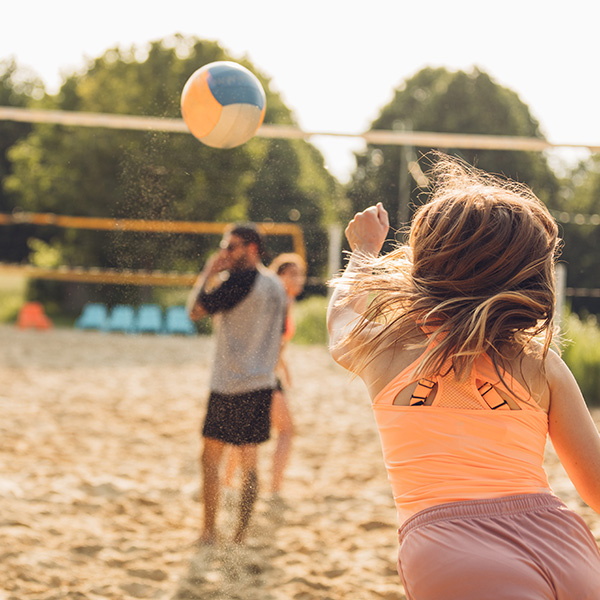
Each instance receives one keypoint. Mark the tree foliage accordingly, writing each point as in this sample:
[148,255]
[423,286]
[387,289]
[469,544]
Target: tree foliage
[581,231]
[153,175]
[438,100]
[18,88]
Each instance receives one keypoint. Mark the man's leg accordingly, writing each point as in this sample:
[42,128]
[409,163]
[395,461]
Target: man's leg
[232,462]
[210,462]
[248,462]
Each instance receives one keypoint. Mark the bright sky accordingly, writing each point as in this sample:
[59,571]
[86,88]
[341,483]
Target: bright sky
[337,62]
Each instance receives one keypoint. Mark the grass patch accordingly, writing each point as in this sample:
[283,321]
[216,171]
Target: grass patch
[581,352]
[170,296]
[311,321]
[13,288]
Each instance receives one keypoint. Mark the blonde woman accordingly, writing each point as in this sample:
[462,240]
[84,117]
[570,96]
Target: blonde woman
[443,331]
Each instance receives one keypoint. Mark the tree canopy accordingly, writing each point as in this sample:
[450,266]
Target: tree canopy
[581,230]
[131,174]
[17,88]
[154,175]
[439,100]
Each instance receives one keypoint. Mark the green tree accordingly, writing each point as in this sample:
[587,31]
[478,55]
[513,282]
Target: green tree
[580,230]
[130,174]
[439,100]
[290,187]
[18,88]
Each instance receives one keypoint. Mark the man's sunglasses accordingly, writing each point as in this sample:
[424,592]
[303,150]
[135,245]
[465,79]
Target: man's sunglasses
[231,246]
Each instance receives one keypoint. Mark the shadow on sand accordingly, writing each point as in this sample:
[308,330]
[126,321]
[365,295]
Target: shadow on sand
[228,571]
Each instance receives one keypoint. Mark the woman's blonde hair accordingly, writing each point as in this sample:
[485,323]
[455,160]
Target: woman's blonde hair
[477,273]
[283,261]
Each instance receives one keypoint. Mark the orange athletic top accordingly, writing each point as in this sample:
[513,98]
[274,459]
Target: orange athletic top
[468,444]
[289,329]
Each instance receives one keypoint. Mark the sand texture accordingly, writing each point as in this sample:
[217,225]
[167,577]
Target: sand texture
[99,479]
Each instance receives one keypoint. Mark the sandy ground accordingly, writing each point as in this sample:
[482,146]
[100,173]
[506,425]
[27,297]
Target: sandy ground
[99,479]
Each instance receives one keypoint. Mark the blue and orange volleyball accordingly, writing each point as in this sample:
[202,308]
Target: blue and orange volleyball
[223,104]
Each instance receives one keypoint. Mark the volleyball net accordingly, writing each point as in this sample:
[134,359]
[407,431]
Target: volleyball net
[373,136]
[159,278]
[160,124]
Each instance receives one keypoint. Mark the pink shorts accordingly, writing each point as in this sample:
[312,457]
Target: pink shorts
[525,547]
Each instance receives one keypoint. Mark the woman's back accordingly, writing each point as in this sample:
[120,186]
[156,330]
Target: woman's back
[446,439]
[527,369]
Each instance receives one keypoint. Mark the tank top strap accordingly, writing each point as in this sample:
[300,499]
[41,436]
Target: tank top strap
[484,370]
[487,384]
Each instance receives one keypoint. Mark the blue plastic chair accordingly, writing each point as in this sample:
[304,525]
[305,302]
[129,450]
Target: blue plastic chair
[177,321]
[149,319]
[93,316]
[121,318]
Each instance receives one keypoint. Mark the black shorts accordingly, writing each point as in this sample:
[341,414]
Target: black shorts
[239,418]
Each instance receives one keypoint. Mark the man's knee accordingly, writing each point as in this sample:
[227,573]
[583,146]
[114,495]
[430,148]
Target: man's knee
[249,458]
[211,454]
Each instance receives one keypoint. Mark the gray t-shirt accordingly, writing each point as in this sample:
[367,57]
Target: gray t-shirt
[248,338]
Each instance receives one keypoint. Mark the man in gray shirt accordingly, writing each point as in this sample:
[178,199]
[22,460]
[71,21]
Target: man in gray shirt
[249,305]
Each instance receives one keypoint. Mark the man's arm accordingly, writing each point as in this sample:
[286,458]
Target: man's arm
[207,281]
[195,310]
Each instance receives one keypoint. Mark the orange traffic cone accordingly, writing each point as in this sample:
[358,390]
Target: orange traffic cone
[32,315]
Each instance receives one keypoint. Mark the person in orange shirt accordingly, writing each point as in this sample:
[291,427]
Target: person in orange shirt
[444,333]
[291,270]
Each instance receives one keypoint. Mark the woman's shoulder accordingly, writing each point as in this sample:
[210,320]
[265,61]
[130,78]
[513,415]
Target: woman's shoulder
[532,370]
[556,369]
[392,361]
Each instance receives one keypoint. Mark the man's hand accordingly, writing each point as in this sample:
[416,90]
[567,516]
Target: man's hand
[368,229]
[217,263]
[207,281]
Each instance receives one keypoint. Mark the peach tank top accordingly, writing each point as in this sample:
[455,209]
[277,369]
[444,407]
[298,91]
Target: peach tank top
[468,444]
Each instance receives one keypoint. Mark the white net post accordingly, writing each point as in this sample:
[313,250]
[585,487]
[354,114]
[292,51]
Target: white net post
[335,250]
[561,292]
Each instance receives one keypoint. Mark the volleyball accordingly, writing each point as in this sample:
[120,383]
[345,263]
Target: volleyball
[223,104]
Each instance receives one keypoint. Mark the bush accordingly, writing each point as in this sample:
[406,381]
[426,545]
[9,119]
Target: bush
[581,352]
[311,322]
[12,296]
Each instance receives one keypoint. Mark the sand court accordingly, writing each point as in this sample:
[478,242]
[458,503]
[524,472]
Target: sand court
[99,479]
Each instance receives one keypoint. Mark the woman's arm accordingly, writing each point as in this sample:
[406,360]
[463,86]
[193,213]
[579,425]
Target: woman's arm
[573,432]
[366,233]
[282,369]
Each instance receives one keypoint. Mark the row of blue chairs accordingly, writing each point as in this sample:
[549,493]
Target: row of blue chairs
[148,318]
